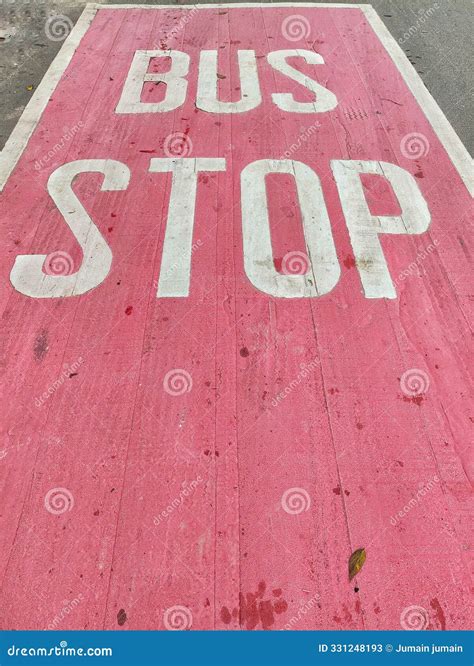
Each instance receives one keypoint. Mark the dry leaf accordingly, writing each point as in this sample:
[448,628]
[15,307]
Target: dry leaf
[356,562]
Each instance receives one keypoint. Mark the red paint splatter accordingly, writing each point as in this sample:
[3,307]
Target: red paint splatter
[415,399]
[277,262]
[255,610]
[280,606]
[226,617]
[436,606]
[349,261]
[129,310]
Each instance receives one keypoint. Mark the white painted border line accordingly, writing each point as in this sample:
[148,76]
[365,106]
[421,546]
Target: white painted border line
[30,117]
[442,127]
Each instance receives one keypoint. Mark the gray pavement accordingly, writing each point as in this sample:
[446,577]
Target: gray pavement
[436,36]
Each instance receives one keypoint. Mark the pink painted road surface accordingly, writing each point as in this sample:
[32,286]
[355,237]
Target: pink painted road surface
[241,351]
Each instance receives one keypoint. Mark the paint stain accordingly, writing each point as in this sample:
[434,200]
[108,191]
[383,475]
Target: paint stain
[244,352]
[436,606]
[415,399]
[255,610]
[226,617]
[121,617]
[419,174]
[359,426]
[337,490]
[40,348]
[349,261]
[129,310]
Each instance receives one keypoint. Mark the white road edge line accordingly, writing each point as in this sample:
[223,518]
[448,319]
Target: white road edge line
[30,117]
[442,127]
[18,139]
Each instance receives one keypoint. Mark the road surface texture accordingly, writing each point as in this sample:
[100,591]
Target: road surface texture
[235,342]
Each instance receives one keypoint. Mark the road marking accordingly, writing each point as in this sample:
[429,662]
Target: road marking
[235,270]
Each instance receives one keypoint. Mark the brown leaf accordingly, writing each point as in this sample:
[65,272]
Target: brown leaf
[356,562]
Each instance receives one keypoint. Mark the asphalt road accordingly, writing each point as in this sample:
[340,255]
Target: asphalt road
[434,35]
